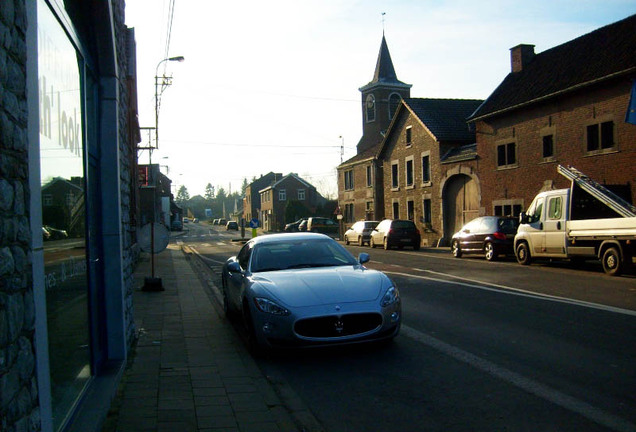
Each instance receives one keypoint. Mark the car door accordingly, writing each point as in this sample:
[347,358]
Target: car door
[535,233]
[468,236]
[554,226]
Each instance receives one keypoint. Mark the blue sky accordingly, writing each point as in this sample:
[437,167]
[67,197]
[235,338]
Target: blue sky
[273,86]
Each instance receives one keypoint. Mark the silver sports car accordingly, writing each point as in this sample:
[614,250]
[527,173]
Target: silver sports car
[305,289]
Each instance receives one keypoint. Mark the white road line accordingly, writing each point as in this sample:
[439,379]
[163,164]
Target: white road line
[505,289]
[220,244]
[536,388]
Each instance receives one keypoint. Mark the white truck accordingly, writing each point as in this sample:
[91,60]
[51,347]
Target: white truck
[583,222]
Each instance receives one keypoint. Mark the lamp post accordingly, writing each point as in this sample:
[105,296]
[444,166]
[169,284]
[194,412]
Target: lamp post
[163,82]
[153,283]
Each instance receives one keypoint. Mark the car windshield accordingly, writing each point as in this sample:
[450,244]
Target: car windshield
[306,253]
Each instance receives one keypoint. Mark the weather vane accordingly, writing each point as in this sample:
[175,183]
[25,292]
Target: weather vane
[383,13]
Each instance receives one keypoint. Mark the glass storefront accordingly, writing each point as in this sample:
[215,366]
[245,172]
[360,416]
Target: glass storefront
[63,213]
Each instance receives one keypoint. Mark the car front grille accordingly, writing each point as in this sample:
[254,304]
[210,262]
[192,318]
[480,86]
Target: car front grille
[338,326]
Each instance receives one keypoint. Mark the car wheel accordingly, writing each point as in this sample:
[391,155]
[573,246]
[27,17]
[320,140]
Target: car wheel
[612,264]
[347,240]
[386,244]
[416,246]
[360,241]
[490,252]
[523,254]
[455,249]
[250,333]
[371,243]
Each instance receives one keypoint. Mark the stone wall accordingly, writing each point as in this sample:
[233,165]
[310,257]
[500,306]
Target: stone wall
[18,385]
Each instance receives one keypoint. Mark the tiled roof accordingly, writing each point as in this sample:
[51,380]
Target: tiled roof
[445,118]
[458,154]
[603,53]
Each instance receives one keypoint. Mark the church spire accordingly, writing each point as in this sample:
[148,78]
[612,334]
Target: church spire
[384,71]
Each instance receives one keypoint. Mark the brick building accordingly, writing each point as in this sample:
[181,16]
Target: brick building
[252,198]
[430,166]
[360,179]
[68,122]
[567,106]
[275,198]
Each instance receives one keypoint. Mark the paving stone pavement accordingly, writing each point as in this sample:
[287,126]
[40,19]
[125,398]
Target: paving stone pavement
[189,370]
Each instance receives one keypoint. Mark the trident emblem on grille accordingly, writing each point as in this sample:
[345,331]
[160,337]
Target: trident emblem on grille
[339,325]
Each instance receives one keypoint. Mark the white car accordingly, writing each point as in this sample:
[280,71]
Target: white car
[307,290]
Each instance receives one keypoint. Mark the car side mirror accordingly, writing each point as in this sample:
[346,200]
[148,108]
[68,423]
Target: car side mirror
[523,218]
[234,267]
[363,258]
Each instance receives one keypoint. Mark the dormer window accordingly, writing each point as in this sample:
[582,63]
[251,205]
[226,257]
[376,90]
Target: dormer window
[370,108]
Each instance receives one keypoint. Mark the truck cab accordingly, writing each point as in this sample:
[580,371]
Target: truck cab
[543,225]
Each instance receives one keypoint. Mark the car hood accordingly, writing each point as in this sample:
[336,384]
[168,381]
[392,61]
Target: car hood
[321,286]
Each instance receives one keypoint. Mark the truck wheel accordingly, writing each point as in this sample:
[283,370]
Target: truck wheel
[491,253]
[612,264]
[456,250]
[523,254]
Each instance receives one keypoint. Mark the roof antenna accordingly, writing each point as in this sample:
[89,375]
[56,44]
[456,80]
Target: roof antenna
[383,13]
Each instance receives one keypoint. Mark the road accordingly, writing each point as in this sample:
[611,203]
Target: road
[484,346]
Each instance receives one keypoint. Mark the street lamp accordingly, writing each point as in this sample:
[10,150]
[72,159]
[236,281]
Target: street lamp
[163,82]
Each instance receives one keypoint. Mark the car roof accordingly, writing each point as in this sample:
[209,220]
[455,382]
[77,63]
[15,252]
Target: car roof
[273,238]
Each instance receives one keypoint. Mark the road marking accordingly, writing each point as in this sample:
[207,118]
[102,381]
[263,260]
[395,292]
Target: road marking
[536,388]
[206,258]
[505,289]
[220,244]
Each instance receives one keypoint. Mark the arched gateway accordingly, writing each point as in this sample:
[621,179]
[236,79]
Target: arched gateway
[460,199]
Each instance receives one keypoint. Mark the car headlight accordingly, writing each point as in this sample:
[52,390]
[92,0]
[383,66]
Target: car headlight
[391,296]
[268,306]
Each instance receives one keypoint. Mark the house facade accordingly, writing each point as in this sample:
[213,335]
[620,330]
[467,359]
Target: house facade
[276,197]
[430,167]
[360,179]
[67,152]
[567,106]
[252,198]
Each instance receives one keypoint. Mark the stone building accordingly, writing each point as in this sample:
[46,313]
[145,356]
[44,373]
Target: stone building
[67,112]
[566,105]
[430,166]
[252,198]
[360,179]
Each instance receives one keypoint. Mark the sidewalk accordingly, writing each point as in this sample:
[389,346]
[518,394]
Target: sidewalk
[190,371]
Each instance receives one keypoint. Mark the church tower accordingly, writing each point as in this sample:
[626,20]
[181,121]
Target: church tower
[380,99]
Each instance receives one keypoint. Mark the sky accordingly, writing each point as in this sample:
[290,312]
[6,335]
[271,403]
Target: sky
[273,85]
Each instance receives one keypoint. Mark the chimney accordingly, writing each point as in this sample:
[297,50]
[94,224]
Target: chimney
[520,56]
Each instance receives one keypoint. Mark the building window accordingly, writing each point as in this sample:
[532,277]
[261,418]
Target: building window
[369,207]
[369,176]
[409,135]
[348,180]
[426,168]
[394,102]
[301,194]
[395,181]
[508,210]
[396,210]
[600,137]
[506,155]
[426,206]
[548,146]
[410,210]
[370,108]
[409,172]
[348,214]
[282,195]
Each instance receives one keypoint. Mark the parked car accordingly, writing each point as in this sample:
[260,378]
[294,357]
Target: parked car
[56,234]
[293,227]
[222,222]
[186,220]
[360,232]
[307,290]
[488,235]
[396,233]
[302,227]
[195,220]
[176,225]
[322,225]
[232,225]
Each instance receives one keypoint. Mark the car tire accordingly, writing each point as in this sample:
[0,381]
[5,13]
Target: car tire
[490,252]
[455,249]
[371,243]
[360,241]
[416,246]
[523,254]
[612,263]
[386,244]
[346,240]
